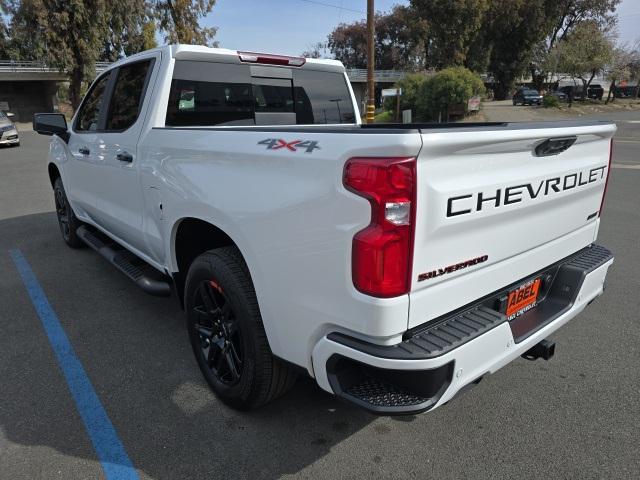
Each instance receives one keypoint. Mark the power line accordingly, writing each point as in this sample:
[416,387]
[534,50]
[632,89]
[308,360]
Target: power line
[334,6]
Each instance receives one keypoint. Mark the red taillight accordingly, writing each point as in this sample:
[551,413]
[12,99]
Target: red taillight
[268,59]
[606,184]
[383,252]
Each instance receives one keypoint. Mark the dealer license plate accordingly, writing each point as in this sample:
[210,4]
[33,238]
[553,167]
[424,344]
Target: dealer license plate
[523,298]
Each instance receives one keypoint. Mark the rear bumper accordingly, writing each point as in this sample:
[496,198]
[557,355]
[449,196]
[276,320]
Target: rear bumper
[437,361]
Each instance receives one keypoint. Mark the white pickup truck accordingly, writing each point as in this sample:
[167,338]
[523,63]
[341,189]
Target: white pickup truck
[395,264]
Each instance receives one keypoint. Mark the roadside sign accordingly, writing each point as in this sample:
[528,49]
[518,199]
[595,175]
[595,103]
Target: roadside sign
[391,92]
[473,104]
[406,116]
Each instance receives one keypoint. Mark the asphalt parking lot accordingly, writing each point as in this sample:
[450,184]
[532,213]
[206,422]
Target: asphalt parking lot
[577,416]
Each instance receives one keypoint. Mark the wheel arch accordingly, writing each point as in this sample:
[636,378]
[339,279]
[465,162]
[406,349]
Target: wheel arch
[192,236]
[54,172]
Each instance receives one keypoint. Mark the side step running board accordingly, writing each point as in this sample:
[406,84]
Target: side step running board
[141,273]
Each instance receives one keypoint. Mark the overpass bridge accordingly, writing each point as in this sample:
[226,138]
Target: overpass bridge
[30,70]
[27,87]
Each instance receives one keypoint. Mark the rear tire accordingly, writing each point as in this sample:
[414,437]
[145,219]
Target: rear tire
[67,220]
[227,334]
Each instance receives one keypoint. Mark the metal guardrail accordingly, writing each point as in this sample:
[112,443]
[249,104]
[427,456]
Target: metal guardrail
[34,66]
[387,76]
[15,66]
[31,66]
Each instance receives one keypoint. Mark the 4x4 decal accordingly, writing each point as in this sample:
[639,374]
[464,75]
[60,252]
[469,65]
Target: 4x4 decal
[277,143]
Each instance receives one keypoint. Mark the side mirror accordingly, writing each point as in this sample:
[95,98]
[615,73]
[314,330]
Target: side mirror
[9,114]
[51,124]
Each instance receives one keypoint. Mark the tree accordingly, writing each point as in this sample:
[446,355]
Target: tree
[584,52]
[69,35]
[180,21]
[25,35]
[634,67]
[625,63]
[316,50]
[511,30]
[453,25]
[130,29]
[567,15]
[4,32]
[399,41]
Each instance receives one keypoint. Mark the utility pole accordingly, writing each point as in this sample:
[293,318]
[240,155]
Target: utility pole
[371,92]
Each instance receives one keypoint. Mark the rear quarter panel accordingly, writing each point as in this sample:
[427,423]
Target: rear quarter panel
[289,214]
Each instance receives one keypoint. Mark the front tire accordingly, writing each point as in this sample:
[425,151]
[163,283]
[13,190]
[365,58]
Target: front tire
[227,334]
[67,220]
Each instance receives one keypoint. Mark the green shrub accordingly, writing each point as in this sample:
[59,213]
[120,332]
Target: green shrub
[550,101]
[385,117]
[446,90]
[411,86]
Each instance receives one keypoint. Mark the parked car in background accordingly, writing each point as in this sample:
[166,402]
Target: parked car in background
[527,96]
[8,130]
[569,90]
[629,91]
[560,95]
[595,91]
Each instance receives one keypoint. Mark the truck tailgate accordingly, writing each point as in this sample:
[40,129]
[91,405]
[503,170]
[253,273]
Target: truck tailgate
[491,209]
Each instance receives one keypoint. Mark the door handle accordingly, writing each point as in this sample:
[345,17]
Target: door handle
[84,150]
[125,157]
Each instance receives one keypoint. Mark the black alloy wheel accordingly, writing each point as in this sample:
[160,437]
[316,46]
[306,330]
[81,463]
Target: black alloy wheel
[226,332]
[218,334]
[62,210]
[67,220]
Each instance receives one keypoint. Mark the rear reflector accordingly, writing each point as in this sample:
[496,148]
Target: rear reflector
[268,59]
[382,253]
[606,184]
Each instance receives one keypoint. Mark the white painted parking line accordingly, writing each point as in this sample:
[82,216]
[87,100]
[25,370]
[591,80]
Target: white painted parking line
[626,166]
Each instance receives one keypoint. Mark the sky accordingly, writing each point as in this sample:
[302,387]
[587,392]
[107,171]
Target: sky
[292,26]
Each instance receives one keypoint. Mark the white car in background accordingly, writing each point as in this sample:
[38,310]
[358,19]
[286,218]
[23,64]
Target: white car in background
[8,130]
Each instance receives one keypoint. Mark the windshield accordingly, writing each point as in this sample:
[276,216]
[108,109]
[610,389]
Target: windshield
[530,92]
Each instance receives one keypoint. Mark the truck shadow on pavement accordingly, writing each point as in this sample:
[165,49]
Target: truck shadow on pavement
[135,351]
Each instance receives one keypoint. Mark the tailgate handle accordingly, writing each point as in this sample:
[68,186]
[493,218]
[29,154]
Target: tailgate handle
[554,146]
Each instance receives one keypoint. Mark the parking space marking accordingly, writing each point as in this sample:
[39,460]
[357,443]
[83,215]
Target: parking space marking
[631,166]
[110,451]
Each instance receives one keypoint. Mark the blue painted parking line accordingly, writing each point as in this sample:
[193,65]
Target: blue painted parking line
[111,453]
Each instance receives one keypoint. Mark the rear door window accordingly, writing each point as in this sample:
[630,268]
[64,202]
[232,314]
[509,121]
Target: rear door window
[205,93]
[209,94]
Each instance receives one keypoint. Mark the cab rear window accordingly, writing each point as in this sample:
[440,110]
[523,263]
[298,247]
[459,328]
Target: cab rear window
[210,94]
